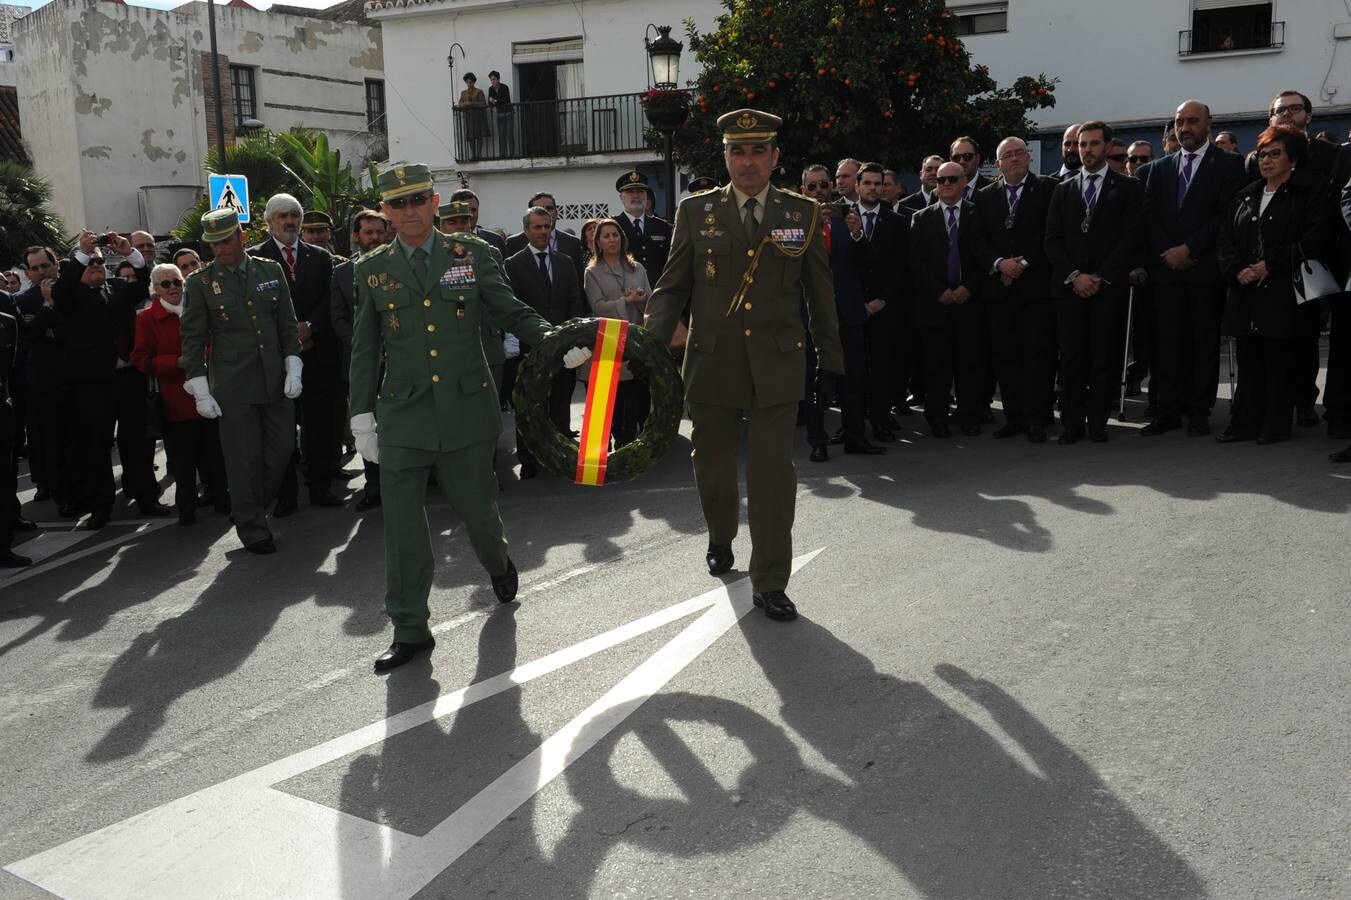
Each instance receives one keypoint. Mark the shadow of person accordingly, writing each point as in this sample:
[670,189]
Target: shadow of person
[956,813]
[358,585]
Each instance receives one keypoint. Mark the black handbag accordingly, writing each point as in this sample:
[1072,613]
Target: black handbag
[154,412]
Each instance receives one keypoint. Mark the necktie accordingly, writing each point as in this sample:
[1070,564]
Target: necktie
[1091,194]
[954,252]
[868,224]
[420,266]
[544,269]
[638,228]
[1013,197]
[290,259]
[752,223]
[1185,179]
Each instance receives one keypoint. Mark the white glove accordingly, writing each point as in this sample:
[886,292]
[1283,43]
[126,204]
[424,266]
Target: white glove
[292,386]
[198,390]
[576,356]
[365,437]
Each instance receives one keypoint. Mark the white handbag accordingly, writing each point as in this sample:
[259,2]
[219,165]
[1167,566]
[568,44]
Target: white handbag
[1313,280]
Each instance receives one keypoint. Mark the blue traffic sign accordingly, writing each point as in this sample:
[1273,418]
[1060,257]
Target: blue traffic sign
[230,192]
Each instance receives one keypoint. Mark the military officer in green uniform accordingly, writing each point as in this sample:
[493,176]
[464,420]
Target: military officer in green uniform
[742,257]
[456,217]
[241,352]
[421,303]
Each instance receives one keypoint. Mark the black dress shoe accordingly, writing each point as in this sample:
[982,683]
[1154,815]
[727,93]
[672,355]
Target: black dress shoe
[820,454]
[971,429]
[1271,437]
[775,604]
[719,559]
[99,519]
[1306,417]
[22,524]
[42,494]
[903,411]
[223,507]
[864,447]
[987,415]
[528,472]
[187,515]
[1036,434]
[885,435]
[286,506]
[324,499]
[1198,427]
[1341,456]
[1232,437]
[1009,430]
[153,508]
[1098,436]
[504,586]
[1339,430]
[11,560]
[837,438]
[1070,436]
[1133,388]
[68,511]
[940,430]
[399,653]
[369,500]
[263,546]
[344,474]
[1161,425]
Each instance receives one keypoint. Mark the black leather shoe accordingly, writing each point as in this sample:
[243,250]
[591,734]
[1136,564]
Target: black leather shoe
[398,654]
[1306,417]
[885,435]
[1232,437]
[775,604]
[369,500]
[1008,431]
[719,559]
[1198,427]
[22,524]
[820,454]
[99,519]
[1341,456]
[1339,430]
[1161,425]
[153,508]
[285,507]
[864,447]
[504,586]
[324,499]
[1271,437]
[1098,436]
[223,507]
[264,546]
[187,515]
[971,429]
[68,511]
[528,472]
[11,560]
[837,438]
[1036,434]
[987,415]
[1070,436]
[940,430]
[42,494]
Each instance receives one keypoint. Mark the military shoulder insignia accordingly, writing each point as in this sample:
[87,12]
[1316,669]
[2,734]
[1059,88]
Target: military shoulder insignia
[373,281]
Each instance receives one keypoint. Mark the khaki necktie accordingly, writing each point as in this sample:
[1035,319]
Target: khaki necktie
[420,266]
[751,221]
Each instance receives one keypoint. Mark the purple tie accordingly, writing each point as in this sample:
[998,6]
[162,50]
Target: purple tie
[1185,180]
[868,225]
[954,253]
[1013,197]
[1091,195]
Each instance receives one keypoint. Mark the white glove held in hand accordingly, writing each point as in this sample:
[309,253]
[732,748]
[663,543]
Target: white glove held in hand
[575,357]
[365,437]
[198,390]
[292,386]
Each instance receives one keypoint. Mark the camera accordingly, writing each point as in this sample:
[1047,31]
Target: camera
[105,240]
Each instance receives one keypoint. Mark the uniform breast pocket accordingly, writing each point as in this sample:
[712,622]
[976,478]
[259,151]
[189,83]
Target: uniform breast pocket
[462,302]
[712,256]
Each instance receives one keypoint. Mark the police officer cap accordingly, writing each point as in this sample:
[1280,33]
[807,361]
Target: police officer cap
[702,183]
[404,181]
[219,225]
[782,177]
[748,126]
[316,219]
[633,179]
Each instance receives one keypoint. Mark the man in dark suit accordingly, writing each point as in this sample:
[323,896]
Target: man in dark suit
[965,151]
[887,327]
[1091,239]
[559,241]
[9,500]
[1186,196]
[1069,154]
[928,172]
[309,275]
[465,195]
[51,445]
[946,276]
[370,229]
[545,280]
[649,237]
[1016,288]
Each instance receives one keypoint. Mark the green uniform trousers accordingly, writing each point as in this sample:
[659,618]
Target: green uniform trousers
[771,482]
[464,476]
[257,440]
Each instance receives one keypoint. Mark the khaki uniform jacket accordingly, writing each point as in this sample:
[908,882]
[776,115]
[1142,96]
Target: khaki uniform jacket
[251,329]
[437,392]
[752,356]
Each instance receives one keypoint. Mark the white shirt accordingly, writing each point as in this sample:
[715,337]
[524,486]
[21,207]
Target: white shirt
[1097,185]
[945,208]
[1266,201]
[876,211]
[295,248]
[637,223]
[1199,153]
[741,199]
[548,263]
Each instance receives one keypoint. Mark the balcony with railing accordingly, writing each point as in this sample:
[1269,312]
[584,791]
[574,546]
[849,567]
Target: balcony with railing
[1209,39]
[581,126]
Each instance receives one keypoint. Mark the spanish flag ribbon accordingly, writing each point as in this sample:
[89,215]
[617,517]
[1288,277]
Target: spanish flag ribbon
[593,450]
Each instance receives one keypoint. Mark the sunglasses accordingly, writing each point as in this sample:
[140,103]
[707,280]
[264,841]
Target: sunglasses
[1273,153]
[962,157]
[1117,157]
[168,283]
[948,179]
[414,200]
[1137,160]
[812,185]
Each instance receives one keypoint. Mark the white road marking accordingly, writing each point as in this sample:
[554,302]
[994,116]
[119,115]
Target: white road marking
[244,838]
[142,529]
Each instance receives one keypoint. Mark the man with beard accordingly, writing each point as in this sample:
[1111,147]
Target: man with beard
[1069,154]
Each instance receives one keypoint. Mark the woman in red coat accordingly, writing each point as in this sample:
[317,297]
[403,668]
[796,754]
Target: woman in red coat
[191,442]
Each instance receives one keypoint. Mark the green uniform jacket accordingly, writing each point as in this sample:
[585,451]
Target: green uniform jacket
[493,350]
[437,393]
[251,331]
[754,355]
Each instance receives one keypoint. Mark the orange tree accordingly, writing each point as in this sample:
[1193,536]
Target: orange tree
[885,80]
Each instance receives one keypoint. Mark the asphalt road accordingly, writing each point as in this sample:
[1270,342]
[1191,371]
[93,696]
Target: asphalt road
[1110,670]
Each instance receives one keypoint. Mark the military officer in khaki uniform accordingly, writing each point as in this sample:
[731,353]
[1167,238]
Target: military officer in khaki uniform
[742,256]
[421,303]
[241,352]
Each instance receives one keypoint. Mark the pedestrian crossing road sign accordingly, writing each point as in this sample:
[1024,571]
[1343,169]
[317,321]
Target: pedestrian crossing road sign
[230,192]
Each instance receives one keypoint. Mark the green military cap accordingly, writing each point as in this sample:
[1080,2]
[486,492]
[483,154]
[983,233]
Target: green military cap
[455,209]
[748,126]
[316,219]
[402,181]
[632,179]
[219,225]
[702,183]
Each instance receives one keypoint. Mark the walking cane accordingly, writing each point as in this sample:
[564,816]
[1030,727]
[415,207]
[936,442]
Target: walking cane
[1231,376]
[1125,355]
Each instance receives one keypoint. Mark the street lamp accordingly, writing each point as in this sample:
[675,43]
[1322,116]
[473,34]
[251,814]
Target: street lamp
[665,104]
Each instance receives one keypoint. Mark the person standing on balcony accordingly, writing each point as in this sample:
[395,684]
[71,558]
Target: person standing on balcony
[499,98]
[474,103]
